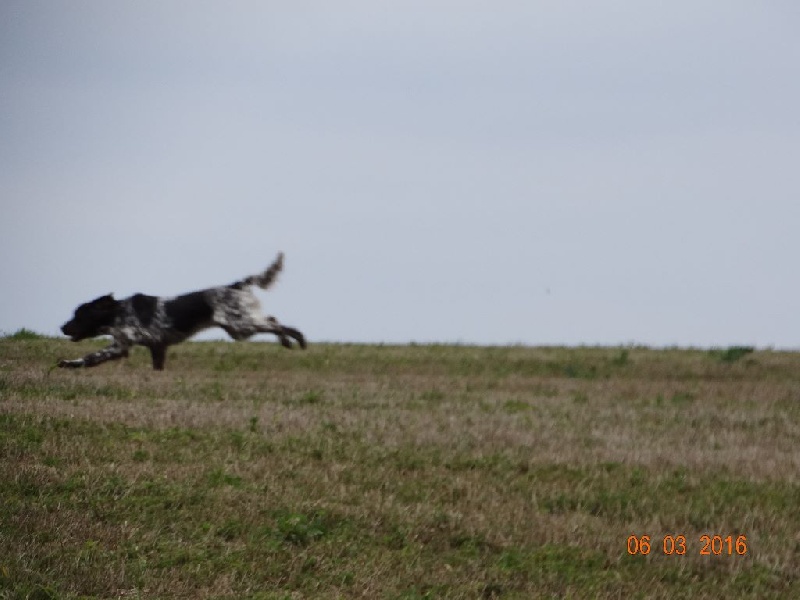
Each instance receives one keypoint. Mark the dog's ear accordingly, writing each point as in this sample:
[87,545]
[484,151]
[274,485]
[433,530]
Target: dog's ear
[105,302]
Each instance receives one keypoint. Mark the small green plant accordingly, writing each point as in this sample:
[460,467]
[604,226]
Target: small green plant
[733,354]
[219,478]
[682,398]
[25,334]
[514,406]
[310,397]
[299,528]
[432,395]
[580,398]
[621,359]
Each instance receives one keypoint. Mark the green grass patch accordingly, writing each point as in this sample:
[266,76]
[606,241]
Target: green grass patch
[395,472]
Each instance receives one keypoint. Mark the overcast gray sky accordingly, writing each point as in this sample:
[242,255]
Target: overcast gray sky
[538,172]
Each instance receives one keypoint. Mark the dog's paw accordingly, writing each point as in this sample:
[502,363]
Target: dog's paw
[70,364]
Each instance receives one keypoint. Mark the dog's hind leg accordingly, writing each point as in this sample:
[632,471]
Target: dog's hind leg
[244,330]
[295,334]
[285,334]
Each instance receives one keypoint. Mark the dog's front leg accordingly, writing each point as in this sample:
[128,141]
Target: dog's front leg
[112,352]
[159,355]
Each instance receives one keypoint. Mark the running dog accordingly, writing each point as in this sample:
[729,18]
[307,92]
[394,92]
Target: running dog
[156,322]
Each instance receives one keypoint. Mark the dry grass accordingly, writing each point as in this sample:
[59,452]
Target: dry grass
[396,472]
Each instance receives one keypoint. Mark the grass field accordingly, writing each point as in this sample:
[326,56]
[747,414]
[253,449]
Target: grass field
[399,472]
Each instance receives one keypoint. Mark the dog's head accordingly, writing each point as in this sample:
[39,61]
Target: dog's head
[91,319]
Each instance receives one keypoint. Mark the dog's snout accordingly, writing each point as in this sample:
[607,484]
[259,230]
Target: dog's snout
[68,329]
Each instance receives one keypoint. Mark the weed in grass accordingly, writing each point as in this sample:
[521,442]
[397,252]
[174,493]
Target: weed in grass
[580,398]
[218,478]
[516,406]
[302,528]
[309,397]
[231,529]
[253,426]
[25,335]
[682,398]
[576,370]
[621,359]
[732,354]
[432,395]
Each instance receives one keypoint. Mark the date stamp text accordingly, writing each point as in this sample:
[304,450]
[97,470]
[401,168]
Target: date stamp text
[677,545]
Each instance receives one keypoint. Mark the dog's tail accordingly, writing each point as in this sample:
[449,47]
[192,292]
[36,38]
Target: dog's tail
[265,279]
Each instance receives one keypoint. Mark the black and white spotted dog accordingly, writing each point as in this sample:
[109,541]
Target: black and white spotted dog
[157,322]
